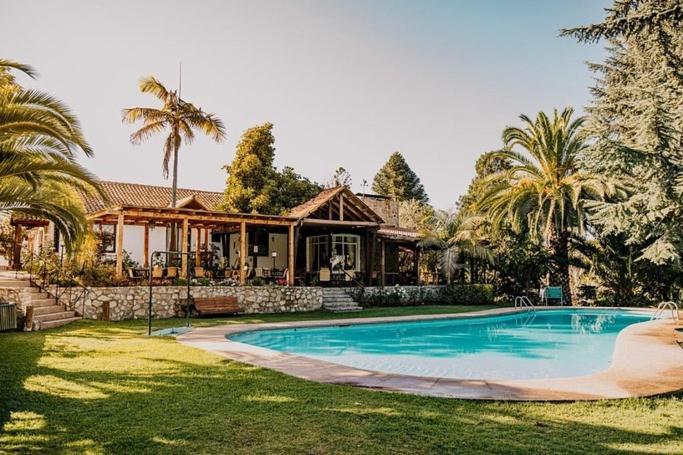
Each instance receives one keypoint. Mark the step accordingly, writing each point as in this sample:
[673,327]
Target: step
[54,316]
[14,284]
[48,309]
[36,303]
[345,309]
[55,323]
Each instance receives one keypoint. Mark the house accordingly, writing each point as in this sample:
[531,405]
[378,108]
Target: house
[335,237]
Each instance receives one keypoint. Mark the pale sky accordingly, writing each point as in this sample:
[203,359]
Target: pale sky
[344,82]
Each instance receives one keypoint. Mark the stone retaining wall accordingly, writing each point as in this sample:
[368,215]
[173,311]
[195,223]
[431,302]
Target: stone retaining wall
[132,302]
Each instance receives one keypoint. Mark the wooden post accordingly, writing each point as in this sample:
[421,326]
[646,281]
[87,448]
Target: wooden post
[185,248]
[416,263]
[119,246]
[105,311]
[16,257]
[198,248]
[371,252]
[341,207]
[28,321]
[382,263]
[145,247]
[291,264]
[243,252]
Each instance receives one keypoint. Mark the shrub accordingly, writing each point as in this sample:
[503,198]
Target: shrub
[469,294]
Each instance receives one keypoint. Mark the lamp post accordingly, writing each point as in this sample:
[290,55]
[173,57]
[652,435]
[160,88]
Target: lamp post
[274,255]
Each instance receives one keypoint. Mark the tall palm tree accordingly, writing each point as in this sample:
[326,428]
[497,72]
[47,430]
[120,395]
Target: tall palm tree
[545,189]
[40,140]
[177,116]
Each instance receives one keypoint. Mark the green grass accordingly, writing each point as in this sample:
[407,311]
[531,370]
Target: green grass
[96,387]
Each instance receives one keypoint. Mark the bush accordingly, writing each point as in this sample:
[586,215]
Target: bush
[469,294]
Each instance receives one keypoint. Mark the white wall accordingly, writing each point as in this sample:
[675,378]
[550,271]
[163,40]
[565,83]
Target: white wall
[276,242]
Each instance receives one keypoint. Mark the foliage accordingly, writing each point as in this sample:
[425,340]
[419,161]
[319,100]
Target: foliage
[520,263]
[40,142]
[545,190]
[469,294]
[395,178]
[341,177]
[413,214]
[255,186]
[176,115]
[251,175]
[291,189]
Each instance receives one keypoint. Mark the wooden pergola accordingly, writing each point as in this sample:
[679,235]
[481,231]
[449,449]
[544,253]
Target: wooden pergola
[202,220]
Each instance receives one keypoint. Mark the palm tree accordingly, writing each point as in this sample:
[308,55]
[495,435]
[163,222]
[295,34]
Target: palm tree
[40,140]
[545,189]
[456,239]
[176,115]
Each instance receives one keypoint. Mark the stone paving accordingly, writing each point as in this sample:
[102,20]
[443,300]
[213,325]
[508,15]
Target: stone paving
[647,361]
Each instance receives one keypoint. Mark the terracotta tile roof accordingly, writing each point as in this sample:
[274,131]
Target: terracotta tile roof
[310,206]
[306,209]
[395,232]
[135,194]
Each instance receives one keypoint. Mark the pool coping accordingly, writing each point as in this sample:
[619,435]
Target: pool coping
[647,361]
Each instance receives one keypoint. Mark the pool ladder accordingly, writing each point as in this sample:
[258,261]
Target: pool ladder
[522,301]
[663,307]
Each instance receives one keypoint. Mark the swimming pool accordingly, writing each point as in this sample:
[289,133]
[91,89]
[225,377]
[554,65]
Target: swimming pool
[529,345]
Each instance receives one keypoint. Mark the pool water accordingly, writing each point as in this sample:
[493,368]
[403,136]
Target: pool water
[540,344]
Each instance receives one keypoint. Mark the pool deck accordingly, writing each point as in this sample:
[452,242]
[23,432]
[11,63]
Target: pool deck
[647,361]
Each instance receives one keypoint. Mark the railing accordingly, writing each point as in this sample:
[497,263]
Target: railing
[663,307]
[45,279]
[354,280]
[522,301]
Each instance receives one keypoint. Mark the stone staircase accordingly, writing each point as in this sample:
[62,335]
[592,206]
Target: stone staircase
[338,300]
[47,313]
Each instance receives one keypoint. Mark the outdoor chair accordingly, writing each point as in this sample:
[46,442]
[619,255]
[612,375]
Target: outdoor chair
[258,272]
[171,273]
[200,272]
[324,275]
[133,276]
[552,293]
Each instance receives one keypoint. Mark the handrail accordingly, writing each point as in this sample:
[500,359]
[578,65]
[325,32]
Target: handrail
[353,279]
[522,301]
[44,279]
[664,306]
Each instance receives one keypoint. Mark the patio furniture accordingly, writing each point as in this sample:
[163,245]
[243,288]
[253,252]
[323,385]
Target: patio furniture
[200,272]
[217,305]
[282,280]
[136,276]
[324,275]
[258,272]
[552,293]
[171,272]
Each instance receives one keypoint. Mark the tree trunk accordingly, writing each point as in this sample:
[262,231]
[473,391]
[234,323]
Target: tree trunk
[174,190]
[559,262]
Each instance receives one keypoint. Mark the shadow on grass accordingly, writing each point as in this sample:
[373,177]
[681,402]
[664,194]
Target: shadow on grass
[132,394]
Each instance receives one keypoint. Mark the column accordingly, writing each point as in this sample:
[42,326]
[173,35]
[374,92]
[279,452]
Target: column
[145,247]
[291,264]
[119,246]
[382,262]
[185,248]
[198,248]
[243,252]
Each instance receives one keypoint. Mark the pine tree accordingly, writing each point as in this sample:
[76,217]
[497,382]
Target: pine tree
[251,176]
[635,122]
[397,179]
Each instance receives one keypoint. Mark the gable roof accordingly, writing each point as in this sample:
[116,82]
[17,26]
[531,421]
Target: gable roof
[328,197]
[134,194]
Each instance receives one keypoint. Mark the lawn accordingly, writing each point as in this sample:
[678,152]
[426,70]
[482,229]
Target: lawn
[99,387]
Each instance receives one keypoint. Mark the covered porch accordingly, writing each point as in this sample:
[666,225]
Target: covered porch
[203,234]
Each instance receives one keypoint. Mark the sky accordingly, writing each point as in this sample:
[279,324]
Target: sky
[345,83]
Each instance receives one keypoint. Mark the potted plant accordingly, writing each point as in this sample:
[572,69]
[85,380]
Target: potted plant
[158,268]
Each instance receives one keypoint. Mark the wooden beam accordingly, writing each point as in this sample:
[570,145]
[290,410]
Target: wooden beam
[416,264]
[382,263]
[184,248]
[150,214]
[341,207]
[291,265]
[16,256]
[243,252]
[145,247]
[313,221]
[119,245]
[198,248]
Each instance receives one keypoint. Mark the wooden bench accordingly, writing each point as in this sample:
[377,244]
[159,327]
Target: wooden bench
[216,305]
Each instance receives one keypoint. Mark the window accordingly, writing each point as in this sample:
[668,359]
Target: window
[345,252]
[318,254]
[107,234]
